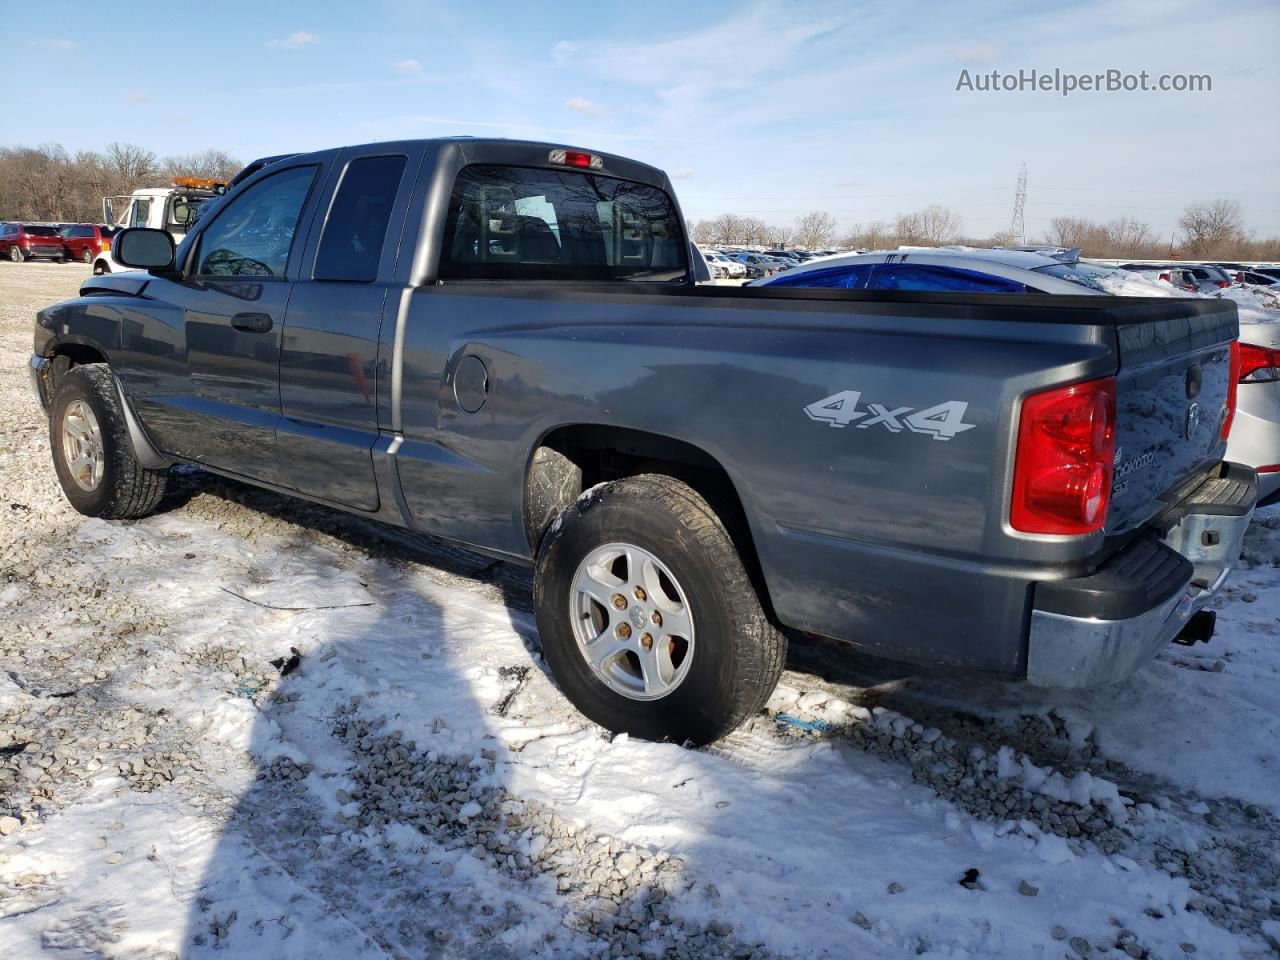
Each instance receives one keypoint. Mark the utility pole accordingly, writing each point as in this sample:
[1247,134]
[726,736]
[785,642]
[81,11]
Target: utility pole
[1018,229]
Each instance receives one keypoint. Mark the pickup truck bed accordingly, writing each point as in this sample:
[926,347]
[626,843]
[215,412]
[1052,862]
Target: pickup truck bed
[857,450]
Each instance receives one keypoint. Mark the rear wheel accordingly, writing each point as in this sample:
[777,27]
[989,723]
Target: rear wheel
[86,255]
[16,254]
[648,619]
[92,453]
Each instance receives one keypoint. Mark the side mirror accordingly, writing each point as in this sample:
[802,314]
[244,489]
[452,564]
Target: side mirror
[144,248]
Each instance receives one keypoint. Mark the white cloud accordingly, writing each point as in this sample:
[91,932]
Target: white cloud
[684,173]
[137,96]
[56,44]
[294,40]
[407,68]
[583,105]
[563,52]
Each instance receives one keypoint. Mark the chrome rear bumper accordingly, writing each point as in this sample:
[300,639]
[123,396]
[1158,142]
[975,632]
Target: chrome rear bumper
[1178,572]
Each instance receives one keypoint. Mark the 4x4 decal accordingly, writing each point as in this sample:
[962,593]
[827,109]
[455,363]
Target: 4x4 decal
[941,421]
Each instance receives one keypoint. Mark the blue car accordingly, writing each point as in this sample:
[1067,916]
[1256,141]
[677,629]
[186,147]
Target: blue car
[963,270]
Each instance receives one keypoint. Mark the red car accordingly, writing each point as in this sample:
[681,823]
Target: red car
[84,241]
[22,241]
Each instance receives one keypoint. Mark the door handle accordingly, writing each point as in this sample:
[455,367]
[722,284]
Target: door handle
[252,322]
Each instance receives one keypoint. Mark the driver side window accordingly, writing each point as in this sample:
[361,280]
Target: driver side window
[252,235]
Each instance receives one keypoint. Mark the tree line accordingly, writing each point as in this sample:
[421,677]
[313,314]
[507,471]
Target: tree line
[49,184]
[1210,230]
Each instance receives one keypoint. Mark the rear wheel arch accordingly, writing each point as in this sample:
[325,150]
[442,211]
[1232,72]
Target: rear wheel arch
[573,458]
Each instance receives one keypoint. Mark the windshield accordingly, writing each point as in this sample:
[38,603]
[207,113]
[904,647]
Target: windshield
[1085,274]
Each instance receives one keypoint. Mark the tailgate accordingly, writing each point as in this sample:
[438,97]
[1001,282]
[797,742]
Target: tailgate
[1171,395]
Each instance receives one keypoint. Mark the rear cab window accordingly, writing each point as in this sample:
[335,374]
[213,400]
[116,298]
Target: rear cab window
[525,223]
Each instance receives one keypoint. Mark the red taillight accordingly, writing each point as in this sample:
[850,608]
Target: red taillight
[1065,458]
[1258,364]
[1223,283]
[576,158]
[1233,389]
[1166,278]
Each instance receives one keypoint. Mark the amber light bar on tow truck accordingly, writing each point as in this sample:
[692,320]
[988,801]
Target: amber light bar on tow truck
[575,158]
[200,183]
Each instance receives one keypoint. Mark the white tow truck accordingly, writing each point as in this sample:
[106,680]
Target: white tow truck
[172,209]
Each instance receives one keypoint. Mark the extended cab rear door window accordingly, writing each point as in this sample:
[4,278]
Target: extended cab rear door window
[356,228]
[252,235]
[524,223]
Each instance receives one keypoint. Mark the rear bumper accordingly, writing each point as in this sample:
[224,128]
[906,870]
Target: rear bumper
[44,250]
[1099,629]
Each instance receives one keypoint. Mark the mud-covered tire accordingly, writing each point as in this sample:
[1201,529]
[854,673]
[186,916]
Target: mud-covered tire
[738,654]
[125,490]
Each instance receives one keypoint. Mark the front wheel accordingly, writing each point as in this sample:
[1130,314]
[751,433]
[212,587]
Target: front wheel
[92,453]
[648,618]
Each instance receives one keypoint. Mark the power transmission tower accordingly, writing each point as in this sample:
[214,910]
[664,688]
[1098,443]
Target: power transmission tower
[1018,228]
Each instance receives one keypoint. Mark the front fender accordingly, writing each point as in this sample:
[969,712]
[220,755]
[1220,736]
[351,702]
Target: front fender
[79,326]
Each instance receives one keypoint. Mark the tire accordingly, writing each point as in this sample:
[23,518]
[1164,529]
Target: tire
[16,254]
[100,269]
[86,255]
[86,403]
[729,665]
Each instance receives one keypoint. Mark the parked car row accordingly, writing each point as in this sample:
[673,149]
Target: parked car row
[735,263]
[1255,433]
[54,241]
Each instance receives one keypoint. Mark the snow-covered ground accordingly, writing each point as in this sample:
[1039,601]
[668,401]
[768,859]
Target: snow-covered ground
[416,786]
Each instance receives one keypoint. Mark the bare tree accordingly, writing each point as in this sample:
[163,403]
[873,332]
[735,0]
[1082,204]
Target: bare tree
[870,236]
[1129,237]
[1212,228]
[45,183]
[130,165]
[212,164]
[777,237]
[814,230]
[939,225]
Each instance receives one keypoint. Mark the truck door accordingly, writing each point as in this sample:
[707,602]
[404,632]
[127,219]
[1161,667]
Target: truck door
[214,396]
[329,355]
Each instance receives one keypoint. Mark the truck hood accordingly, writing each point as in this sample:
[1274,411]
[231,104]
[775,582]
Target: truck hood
[129,282]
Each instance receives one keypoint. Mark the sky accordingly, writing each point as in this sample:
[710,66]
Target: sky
[765,109]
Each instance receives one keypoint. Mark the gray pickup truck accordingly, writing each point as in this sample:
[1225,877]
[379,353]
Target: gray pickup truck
[501,343]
